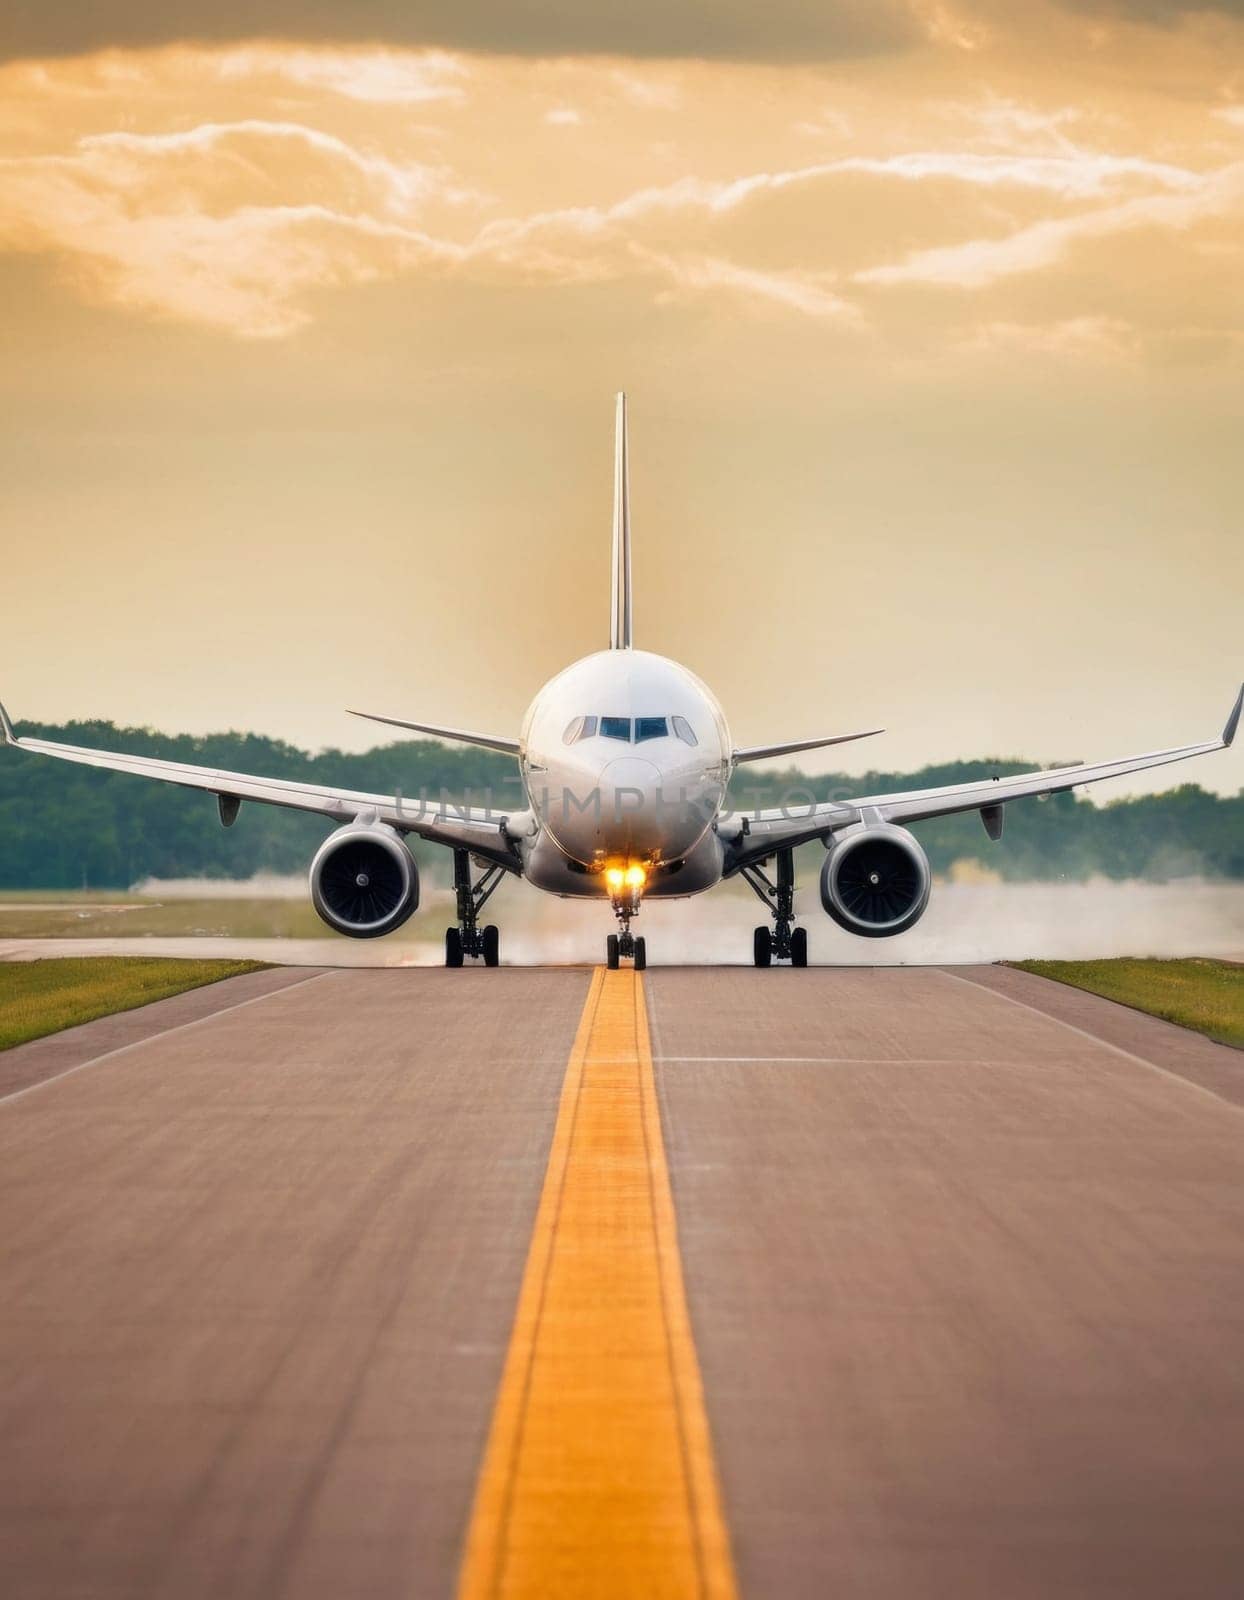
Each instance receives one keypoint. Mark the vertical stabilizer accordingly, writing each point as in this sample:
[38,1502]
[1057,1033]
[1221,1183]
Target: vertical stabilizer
[620,624]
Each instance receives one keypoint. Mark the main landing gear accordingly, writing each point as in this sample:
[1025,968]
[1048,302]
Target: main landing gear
[783,942]
[468,938]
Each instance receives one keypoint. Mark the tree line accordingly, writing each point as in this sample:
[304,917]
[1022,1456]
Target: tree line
[64,827]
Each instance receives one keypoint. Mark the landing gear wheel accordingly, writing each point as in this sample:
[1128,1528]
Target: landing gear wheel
[762,947]
[453,947]
[799,947]
[611,952]
[641,954]
[492,945]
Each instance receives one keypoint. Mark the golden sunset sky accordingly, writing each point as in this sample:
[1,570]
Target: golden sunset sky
[931,316]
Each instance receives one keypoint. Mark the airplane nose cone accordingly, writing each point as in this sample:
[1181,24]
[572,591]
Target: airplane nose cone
[630,807]
[629,772]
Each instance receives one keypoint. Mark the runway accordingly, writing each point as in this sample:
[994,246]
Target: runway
[959,1254]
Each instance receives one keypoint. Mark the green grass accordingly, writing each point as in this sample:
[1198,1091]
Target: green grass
[95,915]
[41,997]
[1196,993]
[121,916]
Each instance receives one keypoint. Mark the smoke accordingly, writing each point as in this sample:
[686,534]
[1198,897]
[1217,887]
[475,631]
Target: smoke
[967,922]
[262,886]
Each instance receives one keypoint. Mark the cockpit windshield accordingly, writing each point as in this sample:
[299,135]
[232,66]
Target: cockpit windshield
[623,728]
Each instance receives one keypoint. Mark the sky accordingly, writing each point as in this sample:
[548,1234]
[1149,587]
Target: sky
[931,317]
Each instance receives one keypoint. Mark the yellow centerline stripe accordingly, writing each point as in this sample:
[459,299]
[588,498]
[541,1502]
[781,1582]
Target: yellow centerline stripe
[598,1479]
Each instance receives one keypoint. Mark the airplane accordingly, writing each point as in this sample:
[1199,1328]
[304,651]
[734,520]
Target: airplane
[624,760]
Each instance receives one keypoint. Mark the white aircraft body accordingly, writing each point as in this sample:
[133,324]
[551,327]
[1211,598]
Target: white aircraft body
[624,761]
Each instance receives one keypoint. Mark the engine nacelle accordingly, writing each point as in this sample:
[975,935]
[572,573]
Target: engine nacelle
[364,881]
[875,881]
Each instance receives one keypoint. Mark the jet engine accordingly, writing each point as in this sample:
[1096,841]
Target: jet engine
[875,881]
[364,881]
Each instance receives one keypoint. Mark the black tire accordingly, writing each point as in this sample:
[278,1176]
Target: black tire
[641,954]
[799,947]
[492,945]
[453,947]
[762,948]
[611,952]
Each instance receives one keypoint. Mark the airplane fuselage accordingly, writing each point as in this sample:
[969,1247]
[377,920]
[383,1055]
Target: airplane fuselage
[625,757]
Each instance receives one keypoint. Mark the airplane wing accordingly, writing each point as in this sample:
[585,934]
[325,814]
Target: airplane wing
[758,834]
[484,832]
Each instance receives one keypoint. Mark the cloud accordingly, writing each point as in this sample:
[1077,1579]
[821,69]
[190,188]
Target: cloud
[1080,176]
[368,75]
[234,187]
[645,93]
[382,77]
[1163,12]
[793,291]
[976,263]
[249,145]
[780,30]
[1074,338]
[206,224]
[234,223]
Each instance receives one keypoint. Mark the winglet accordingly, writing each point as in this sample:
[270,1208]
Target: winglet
[1233,721]
[620,621]
[8,734]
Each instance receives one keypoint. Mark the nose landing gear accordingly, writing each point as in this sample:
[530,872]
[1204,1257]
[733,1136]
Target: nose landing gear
[468,938]
[624,943]
[784,941]
[629,944]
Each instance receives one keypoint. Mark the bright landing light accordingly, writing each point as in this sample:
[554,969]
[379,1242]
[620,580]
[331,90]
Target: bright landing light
[632,877]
